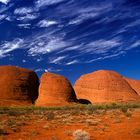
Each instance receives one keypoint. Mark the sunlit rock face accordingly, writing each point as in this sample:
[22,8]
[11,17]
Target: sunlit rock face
[18,86]
[105,86]
[55,90]
[135,84]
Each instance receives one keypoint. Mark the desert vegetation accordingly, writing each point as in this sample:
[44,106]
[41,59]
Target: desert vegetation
[75,122]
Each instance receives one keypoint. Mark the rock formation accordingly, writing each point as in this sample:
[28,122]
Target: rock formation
[104,86]
[55,90]
[135,84]
[18,86]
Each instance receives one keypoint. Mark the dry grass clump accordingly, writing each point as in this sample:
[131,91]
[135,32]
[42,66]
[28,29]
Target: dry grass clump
[90,122]
[68,132]
[136,131]
[3,131]
[50,115]
[81,135]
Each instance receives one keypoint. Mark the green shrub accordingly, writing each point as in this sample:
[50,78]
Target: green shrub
[124,109]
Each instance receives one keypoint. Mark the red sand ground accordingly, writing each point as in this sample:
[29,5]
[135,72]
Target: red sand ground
[59,125]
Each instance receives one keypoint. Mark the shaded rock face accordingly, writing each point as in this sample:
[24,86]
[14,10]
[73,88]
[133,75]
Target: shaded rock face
[84,101]
[135,84]
[18,86]
[104,86]
[55,90]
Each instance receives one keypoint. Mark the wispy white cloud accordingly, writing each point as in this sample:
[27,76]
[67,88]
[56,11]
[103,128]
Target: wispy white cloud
[8,47]
[2,17]
[24,61]
[133,45]
[46,23]
[8,18]
[72,62]
[27,17]
[39,70]
[132,24]
[5,17]
[127,26]
[23,10]
[57,60]
[26,13]
[39,59]
[24,25]
[106,57]
[83,17]
[89,13]
[4,1]
[52,69]
[41,44]
[51,45]
[41,3]
[71,48]
[101,46]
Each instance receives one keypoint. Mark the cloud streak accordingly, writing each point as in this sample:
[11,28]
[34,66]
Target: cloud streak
[42,3]
[8,47]
[46,23]
[23,11]
[4,1]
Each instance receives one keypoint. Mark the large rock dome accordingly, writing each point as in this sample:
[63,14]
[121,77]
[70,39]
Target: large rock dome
[55,90]
[18,86]
[104,86]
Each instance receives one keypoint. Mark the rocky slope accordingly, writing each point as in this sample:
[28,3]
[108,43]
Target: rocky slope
[135,84]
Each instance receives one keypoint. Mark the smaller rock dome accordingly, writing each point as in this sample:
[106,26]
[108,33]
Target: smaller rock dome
[55,90]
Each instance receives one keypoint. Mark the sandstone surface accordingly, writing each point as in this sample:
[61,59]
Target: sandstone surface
[18,86]
[55,90]
[135,84]
[104,86]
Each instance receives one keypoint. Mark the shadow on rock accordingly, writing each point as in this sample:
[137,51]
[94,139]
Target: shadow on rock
[84,101]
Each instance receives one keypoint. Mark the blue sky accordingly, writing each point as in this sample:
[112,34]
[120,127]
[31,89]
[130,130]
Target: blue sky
[71,37]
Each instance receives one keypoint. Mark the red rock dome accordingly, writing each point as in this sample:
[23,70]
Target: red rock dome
[135,84]
[55,90]
[104,86]
[18,86]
